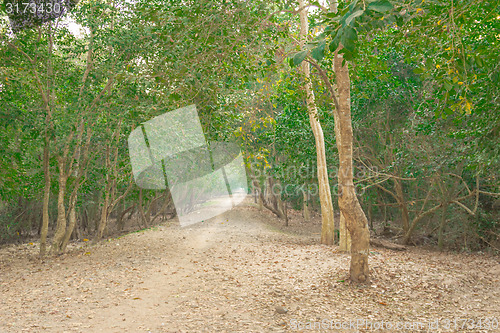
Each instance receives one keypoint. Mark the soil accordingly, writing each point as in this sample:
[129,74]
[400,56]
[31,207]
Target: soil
[242,271]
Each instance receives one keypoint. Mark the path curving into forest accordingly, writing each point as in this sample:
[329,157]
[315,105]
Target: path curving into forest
[229,274]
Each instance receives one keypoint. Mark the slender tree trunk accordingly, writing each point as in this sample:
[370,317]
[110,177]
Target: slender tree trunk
[261,203]
[405,215]
[282,207]
[307,213]
[350,207]
[103,221]
[441,227]
[132,212]
[71,224]
[285,211]
[268,187]
[46,192]
[121,216]
[327,230]
[144,217]
[46,158]
[61,210]
[154,204]
[162,207]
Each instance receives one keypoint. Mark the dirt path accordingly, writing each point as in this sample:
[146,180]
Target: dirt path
[230,273]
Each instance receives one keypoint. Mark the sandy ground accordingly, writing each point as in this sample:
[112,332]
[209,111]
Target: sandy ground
[243,271]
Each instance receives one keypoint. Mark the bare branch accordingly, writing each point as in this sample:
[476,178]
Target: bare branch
[490,193]
[89,64]
[467,209]
[326,80]
[387,191]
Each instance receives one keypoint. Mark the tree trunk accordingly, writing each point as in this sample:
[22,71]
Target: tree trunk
[71,224]
[370,215]
[307,213]
[327,229]
[154,204]
[103,221]
[405,215]
[46,193]
[261,203]
[350,207]
[61,210]
[442,224]
[144,217]
[344,236]
[283,208]
[121,216]
[46,157]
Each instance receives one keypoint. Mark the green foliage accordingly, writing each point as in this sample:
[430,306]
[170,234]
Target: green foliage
[425,87]
[147,59]
[380,6]
[299,57]
[351,20]
[408,140]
